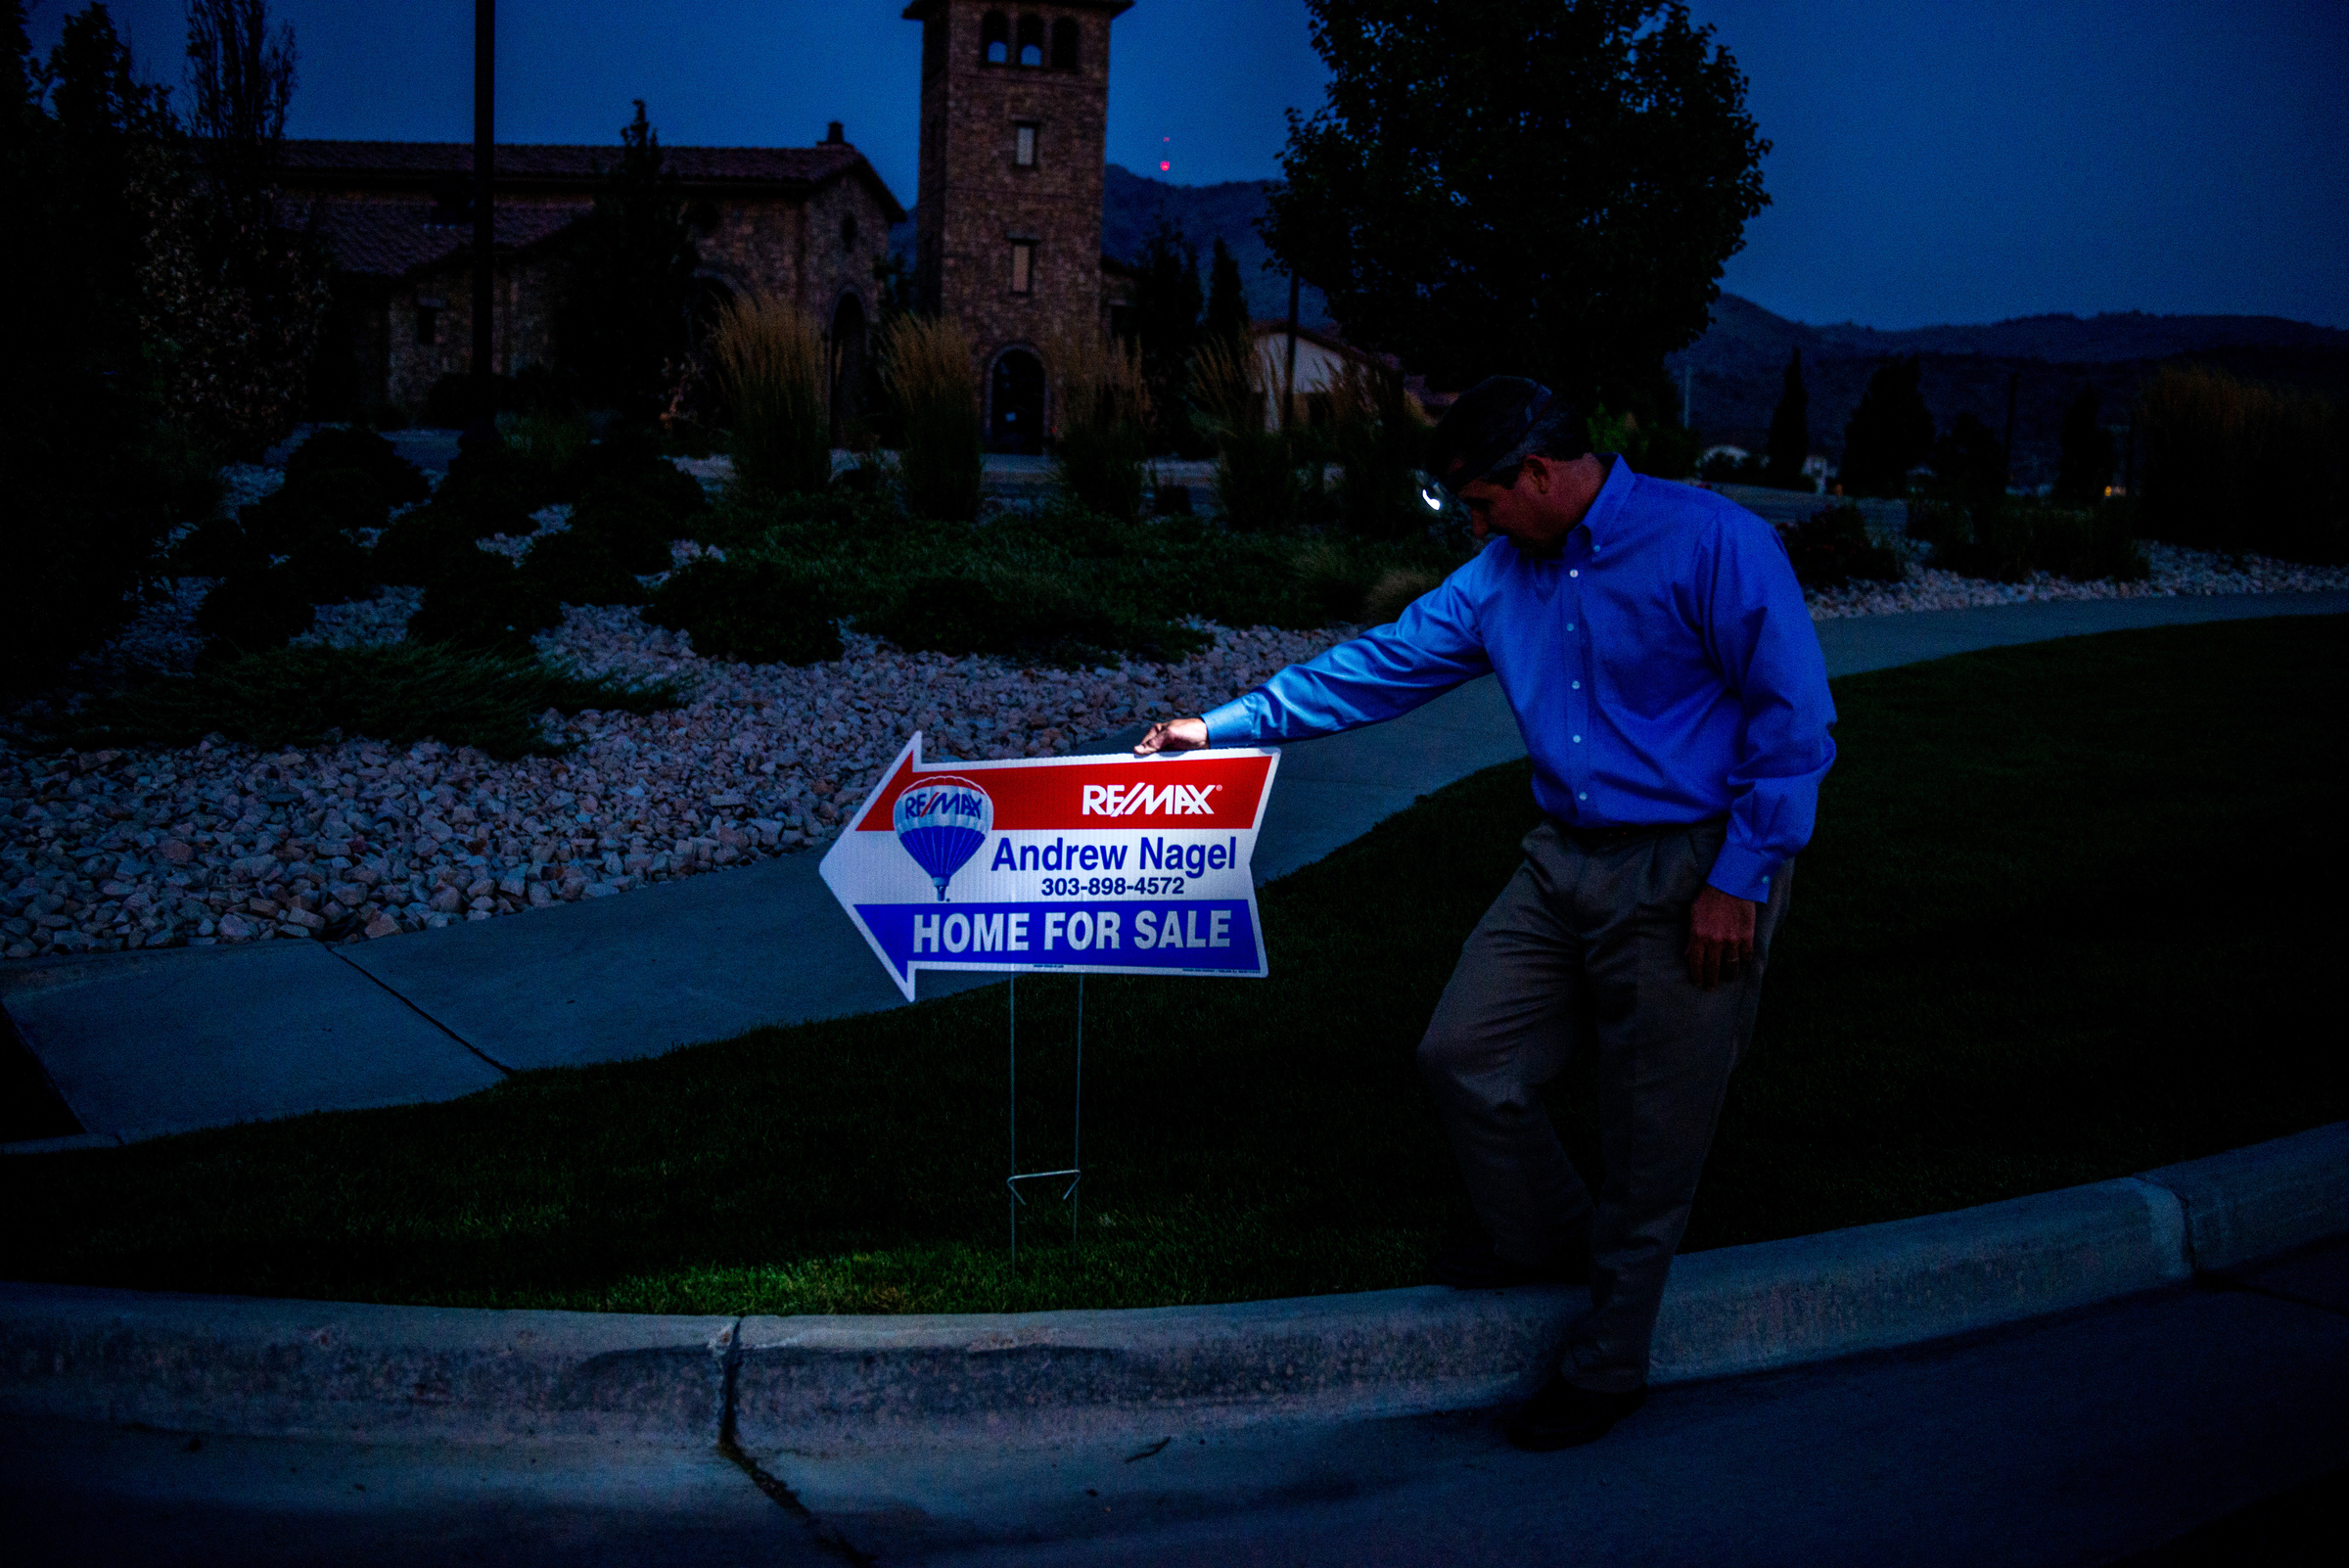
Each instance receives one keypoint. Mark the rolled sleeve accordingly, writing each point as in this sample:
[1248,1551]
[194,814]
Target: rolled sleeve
[1768,652]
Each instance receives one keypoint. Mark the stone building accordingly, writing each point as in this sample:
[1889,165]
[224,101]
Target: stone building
[808,223]
[1007,216]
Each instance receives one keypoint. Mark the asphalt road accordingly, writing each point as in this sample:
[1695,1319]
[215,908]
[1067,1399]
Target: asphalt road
[2089,1439]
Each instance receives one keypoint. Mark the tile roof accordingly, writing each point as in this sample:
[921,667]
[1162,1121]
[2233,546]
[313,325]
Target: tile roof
[392,239]
[306,162]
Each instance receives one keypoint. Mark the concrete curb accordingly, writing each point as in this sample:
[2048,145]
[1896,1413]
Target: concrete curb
[840,1384]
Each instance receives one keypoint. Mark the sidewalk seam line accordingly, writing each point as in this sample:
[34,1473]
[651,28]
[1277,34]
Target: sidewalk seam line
[378,980]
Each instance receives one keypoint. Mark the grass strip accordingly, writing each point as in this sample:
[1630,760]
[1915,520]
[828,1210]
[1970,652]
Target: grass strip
[398,692]
[2058,925]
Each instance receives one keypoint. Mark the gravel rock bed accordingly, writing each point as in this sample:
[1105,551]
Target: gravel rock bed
[2176,570]
[221,843]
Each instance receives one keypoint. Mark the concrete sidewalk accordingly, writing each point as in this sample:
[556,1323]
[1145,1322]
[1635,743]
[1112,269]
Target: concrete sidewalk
[145,1044]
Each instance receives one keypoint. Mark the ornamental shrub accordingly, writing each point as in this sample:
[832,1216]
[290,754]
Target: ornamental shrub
[425,545]
[215,550]
[363,452]
[332,568]
[753,610]
[488,607]
[494,488]
[582,566]
[253,610]
[1830,549]
[320,503]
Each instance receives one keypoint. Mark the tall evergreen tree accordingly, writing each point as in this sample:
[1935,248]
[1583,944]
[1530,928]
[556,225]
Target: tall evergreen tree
[2085,467]
[1227,299]
[1890,432]
[625,329]
[235,289]
[1165,324]
[1789,444]
[1541,187]
[98,474]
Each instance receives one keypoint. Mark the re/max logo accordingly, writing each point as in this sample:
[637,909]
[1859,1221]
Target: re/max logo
[1141,799]
[960,802]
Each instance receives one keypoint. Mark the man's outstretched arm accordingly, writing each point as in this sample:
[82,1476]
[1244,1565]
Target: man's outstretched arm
[1434,646]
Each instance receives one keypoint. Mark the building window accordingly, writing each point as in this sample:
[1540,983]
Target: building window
[848,232]
[1023,266]
[1064,44]
[428,323]
[994,39]
[1023,146]
[1032,40]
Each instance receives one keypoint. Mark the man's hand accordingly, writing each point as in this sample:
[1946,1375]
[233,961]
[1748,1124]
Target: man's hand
[1721,935]
[1187,735]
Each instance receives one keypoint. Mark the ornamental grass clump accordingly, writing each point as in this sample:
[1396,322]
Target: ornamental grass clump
[1100,417]
[770,361]
[931,371]
[1256,473]
[2232,465]
[1378,435]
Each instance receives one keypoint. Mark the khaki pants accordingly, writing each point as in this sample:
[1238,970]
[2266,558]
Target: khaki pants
[1585,951]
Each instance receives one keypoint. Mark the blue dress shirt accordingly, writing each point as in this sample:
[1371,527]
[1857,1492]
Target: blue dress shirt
[1662,667]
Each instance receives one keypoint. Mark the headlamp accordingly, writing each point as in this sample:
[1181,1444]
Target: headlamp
[1431,497]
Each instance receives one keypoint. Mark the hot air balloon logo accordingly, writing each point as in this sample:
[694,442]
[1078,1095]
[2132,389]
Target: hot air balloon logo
[942,822]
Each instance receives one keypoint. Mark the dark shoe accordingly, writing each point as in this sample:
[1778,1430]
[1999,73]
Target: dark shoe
[1564,1416]
[1475,1266]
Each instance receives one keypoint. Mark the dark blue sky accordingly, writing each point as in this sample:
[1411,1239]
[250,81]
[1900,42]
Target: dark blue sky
[1931,164]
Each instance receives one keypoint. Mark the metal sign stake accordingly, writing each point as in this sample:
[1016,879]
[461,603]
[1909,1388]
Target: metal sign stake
[1075,1173]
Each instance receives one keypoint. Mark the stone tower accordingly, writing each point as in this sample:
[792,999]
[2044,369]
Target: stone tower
[1007,219]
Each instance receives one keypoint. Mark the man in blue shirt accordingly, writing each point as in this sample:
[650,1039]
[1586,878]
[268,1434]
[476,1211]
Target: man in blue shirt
[1654,645]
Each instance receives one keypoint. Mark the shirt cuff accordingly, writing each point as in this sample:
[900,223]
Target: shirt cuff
[1743,873]
[1235,720]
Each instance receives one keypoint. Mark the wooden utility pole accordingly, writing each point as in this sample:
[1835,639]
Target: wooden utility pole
[485,240]
[1288,381]
[2015,379]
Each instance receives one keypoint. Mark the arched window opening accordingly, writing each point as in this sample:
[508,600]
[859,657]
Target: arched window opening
[994,39]
[1016,403]
[1032,40]
[848,232]
[1064,44]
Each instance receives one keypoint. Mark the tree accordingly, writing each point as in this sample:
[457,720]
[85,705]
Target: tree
[625,333]
[1889,433]
[1789,445]
[1540,187]
[1165,327]
[1969,463]
[2085,467]
[1226,300]
[98,472]
[234,288]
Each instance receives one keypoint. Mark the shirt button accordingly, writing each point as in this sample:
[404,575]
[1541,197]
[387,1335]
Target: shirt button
[1578,685]
[1569,626]
[1586,795]
[1574,572]
[1578,740]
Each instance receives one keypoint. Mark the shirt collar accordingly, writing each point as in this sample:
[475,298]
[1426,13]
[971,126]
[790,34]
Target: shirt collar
[1608,504]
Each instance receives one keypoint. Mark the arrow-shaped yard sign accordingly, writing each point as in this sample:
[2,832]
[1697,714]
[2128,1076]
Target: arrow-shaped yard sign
[1116,865]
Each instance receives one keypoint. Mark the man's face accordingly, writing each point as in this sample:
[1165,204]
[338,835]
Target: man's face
[1519,513]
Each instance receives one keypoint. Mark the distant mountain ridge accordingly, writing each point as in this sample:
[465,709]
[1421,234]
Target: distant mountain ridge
[1732,372]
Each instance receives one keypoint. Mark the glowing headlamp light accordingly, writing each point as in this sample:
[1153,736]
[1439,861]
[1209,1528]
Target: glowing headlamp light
[1431,497]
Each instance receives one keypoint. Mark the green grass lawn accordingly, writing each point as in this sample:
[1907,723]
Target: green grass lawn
[2068,915]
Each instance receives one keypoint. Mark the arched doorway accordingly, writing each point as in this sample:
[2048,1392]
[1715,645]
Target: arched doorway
[850,365]
[1016,403]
